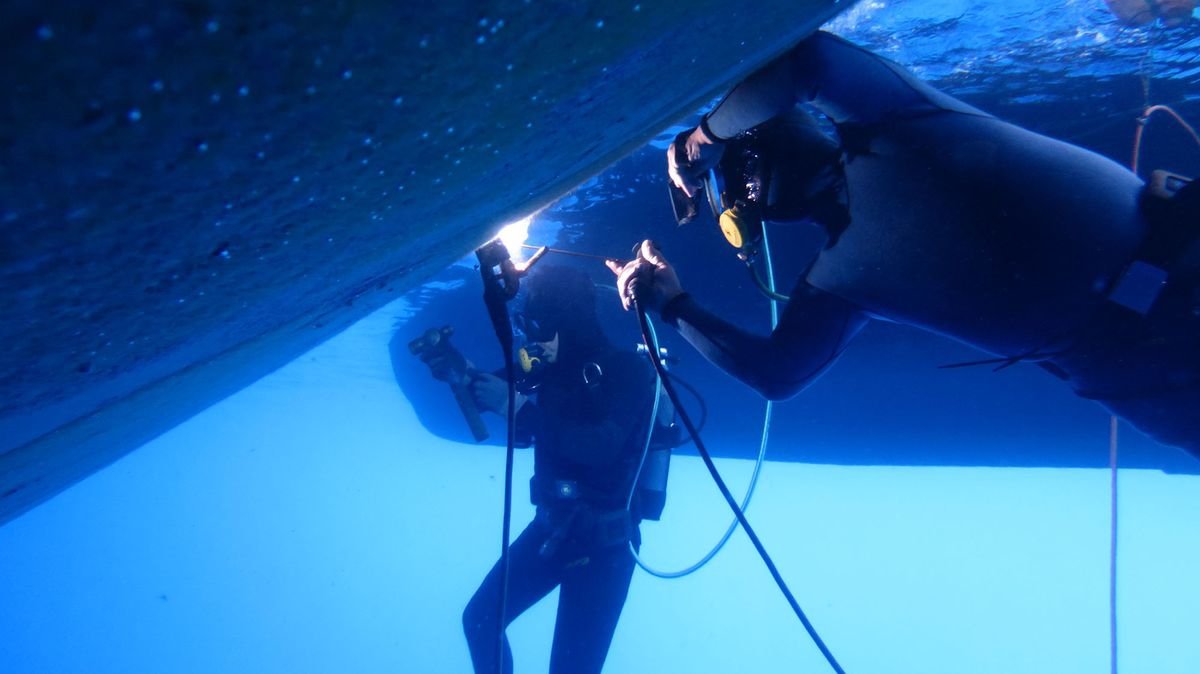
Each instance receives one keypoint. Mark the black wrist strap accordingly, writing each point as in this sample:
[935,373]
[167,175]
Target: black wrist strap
[707,131]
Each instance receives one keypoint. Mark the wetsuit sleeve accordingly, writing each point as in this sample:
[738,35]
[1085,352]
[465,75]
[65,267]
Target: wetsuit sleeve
[628,391]
[814,329]
[846,82]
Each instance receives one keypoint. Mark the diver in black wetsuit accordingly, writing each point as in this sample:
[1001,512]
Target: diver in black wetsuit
[943,217]
[587,419]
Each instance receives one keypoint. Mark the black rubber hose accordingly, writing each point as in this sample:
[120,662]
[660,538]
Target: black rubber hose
[497,305]
[668,386]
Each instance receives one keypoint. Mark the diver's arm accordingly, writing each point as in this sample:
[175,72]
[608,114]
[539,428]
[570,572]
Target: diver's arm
[629,392]
[813,331]
[762,96]
[846,82]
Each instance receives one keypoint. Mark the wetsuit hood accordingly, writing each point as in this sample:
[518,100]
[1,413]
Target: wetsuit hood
[788,170]
[562,300]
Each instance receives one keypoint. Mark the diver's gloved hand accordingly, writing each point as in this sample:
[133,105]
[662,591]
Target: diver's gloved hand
[649,279]
[445,364]
[490,392]
[689,158]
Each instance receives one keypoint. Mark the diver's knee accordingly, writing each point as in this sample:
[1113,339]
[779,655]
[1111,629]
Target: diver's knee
[475,617]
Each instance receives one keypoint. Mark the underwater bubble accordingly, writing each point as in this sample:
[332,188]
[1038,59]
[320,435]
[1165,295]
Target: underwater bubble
[260,155]
[134,115]
[215,97]
[509,67]
[480,39]
[449,130]
[424,135]
[347,74]
[483,22]
[202,146]
[243,90]
[637,8]
[367,140]
[398,101]
[157,85]
[295,179]
[45,32]
[599,23]
[423,43]
[212,26]
[310,90]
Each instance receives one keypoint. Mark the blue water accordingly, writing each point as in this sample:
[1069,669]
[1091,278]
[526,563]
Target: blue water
[928,522]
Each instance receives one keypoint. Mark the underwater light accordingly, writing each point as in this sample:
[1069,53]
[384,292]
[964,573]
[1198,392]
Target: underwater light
[514,234]
[501,274]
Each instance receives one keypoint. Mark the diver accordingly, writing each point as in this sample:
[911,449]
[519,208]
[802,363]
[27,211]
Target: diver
[1170,13]
[585,408]
[940,216]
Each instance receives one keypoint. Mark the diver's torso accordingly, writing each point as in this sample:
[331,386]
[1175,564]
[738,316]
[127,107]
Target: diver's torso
[575,395]
[974,228]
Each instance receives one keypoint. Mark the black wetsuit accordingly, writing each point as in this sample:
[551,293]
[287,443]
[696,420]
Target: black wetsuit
[970,227]
[588,426]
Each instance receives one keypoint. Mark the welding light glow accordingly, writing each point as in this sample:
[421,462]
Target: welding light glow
[514,234]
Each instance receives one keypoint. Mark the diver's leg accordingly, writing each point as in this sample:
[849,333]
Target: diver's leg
[1171,356]
[530,578]
[1170,418]
[589,604]
[1146,370]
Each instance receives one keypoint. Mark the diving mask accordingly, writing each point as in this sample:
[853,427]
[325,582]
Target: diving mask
[734,191]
